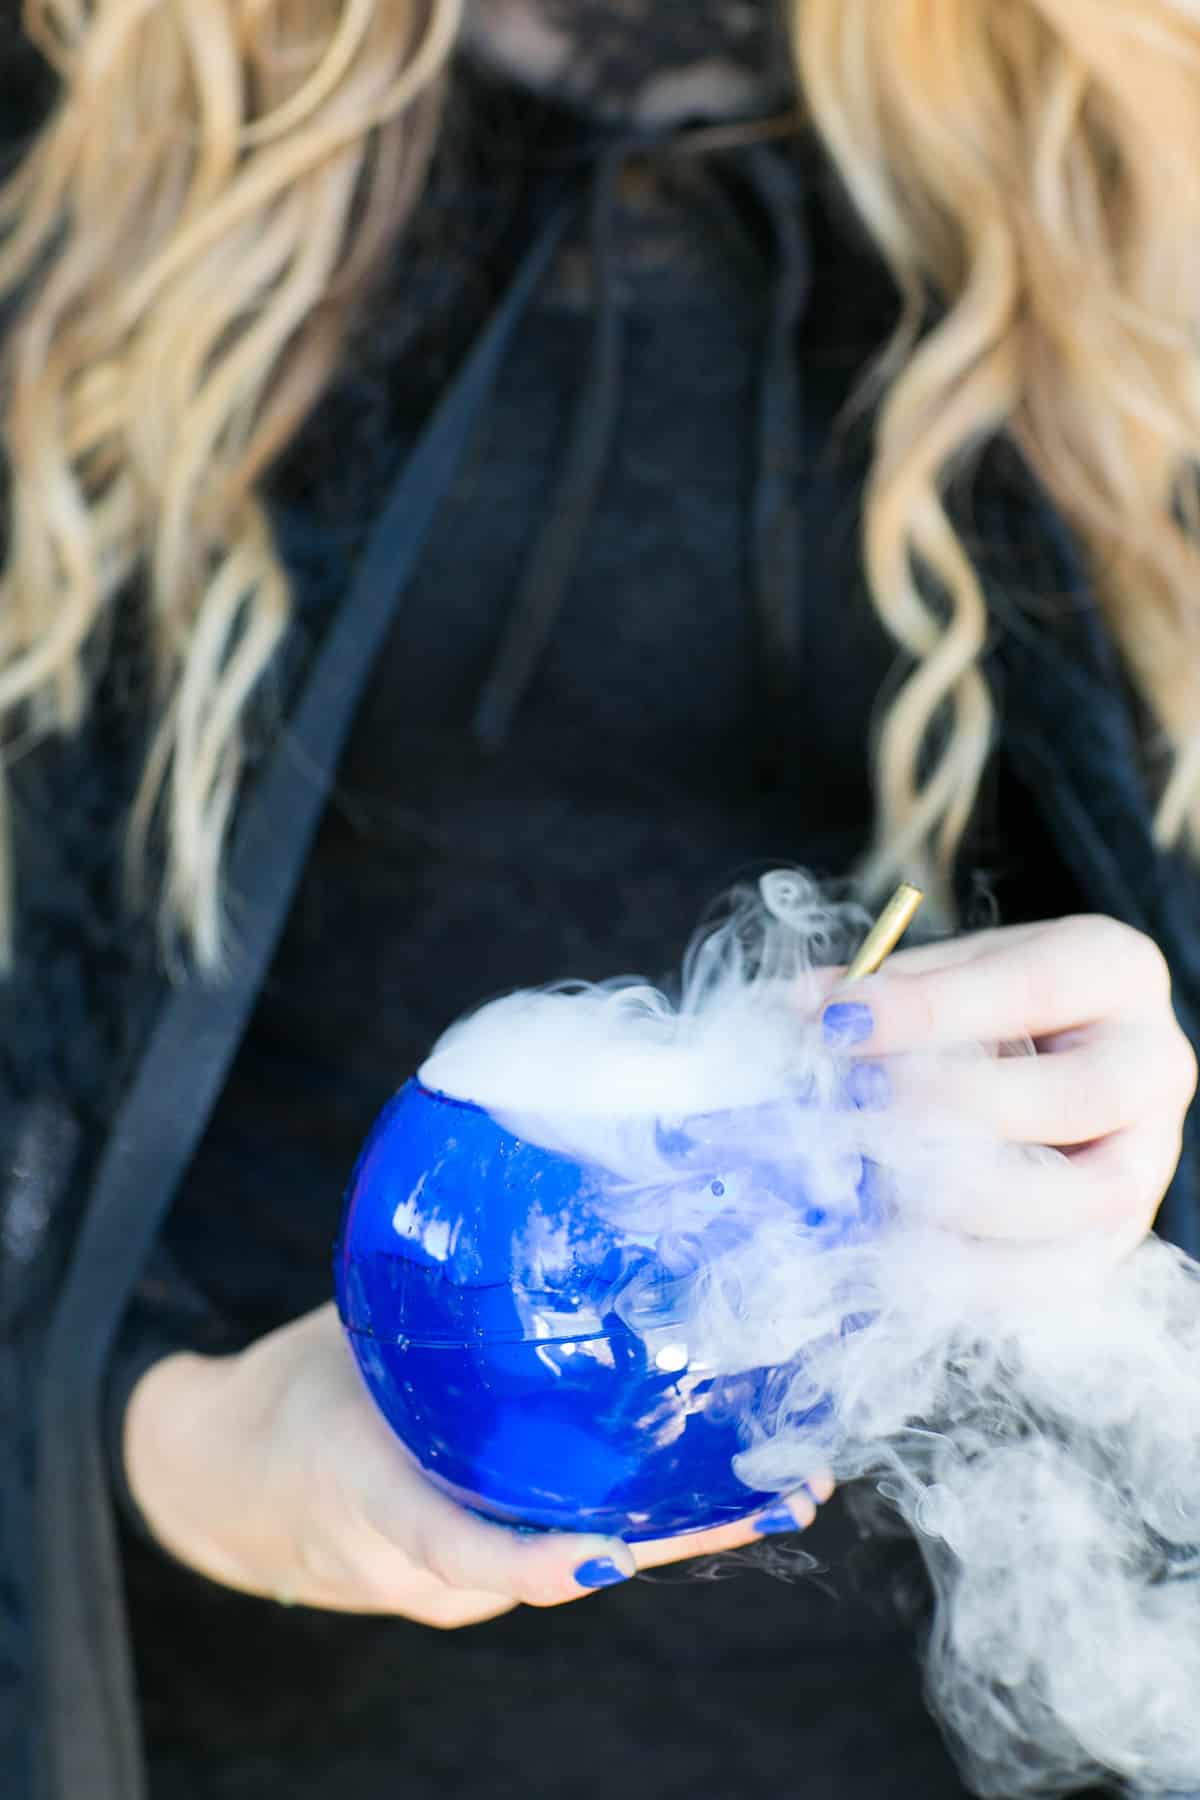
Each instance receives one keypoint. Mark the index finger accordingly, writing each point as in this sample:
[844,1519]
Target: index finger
[468,1552]
[1058,976]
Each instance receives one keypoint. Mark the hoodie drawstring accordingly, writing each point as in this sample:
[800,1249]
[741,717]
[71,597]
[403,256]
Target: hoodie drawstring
[774,528]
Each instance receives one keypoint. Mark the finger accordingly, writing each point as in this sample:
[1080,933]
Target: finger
[1076,972]
[1031,1193]
[821,1486]
[944,953]
[1111,1076]
[795,1513]
[426,1600]
[465,1552]
[420,1525]
[915,959]
[550,1569]
[537,1568]
[1132,1169]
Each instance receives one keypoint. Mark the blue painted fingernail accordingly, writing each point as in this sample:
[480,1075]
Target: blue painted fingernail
[777,1518]
[869,1086]
[600,1572]
[847,1022]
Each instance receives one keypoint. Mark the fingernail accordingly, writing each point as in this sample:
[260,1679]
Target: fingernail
[777,1518]
[869,1086]
[847,1022]
[598,1572]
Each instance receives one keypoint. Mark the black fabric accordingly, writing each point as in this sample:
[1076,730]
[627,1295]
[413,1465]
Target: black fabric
[568,505]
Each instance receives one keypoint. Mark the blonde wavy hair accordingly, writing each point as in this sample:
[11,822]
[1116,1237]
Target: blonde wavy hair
[192,230]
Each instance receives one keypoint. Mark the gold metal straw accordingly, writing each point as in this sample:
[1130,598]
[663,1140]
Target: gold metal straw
[886,932]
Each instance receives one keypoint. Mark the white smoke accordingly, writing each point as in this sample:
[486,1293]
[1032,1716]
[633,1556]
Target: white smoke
[1029,1404]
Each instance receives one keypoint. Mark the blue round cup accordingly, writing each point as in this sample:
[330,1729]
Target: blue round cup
[487,1295]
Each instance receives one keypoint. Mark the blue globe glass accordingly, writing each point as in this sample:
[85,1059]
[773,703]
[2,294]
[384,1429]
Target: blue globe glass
[529,1387]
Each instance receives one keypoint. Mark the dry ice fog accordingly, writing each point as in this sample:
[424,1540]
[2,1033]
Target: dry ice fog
[1029,1406]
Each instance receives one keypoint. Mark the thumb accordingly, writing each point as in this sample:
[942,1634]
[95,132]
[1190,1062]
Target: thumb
[538,1568]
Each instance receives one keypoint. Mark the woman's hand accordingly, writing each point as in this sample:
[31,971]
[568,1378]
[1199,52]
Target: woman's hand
[1110,1087]
[273,1472]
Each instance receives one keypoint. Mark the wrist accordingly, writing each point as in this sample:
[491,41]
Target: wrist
[178,1444]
